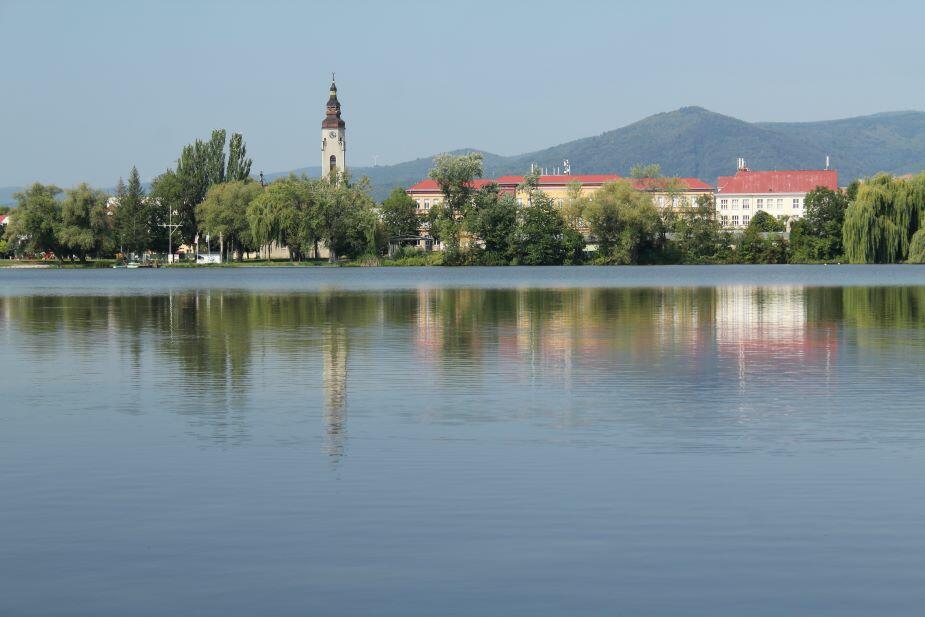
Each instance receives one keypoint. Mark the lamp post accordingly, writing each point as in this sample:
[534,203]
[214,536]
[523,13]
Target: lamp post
[170,227]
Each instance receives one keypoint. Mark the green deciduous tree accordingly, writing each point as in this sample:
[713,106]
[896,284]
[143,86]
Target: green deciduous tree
[818,235]
[917,247]
[540,239]
[881,222]
[625,224]
[399,214]
[493,220]
[223,214]
[454,175]
[756,247]
[698,235]
[650,170]
[86,224]
[201,165]
[36,225]
[264,217]
[764,222]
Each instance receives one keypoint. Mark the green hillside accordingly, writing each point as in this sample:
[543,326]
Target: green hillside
[698,143]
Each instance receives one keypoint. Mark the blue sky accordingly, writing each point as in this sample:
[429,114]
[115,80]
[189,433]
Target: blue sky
[92,88]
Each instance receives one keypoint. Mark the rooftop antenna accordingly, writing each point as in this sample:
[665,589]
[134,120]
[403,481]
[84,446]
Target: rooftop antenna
[566,168]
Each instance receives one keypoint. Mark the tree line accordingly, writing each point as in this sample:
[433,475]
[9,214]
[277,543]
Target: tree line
[878,220]
[210,193]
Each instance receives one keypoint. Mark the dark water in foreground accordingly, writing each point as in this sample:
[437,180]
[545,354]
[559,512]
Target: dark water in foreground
[561,441]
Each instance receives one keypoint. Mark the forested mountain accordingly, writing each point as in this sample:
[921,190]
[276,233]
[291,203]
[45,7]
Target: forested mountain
[695,142]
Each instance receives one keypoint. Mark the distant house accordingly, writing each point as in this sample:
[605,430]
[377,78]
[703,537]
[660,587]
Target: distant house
[4,219]
[779,193]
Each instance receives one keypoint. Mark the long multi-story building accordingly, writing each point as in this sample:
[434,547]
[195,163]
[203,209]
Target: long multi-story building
[674,192]
[779,193]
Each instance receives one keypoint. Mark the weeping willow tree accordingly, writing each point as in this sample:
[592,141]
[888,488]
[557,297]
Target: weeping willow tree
[917,248]
[880,224]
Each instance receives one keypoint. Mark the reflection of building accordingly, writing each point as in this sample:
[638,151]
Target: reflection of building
[334,377]
[779,193]
[766,329]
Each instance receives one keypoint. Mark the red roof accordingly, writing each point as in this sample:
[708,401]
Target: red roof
[431,186]
[509,182]
[562,179]
[777,181]
[3,218]
[656,184]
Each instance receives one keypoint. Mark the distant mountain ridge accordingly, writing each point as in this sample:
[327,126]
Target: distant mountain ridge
[698,143]
[695,142]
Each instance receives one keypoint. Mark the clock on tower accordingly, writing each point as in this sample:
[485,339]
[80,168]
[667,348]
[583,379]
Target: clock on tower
[333,137]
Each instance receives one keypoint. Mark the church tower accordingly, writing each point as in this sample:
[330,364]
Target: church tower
[333,137]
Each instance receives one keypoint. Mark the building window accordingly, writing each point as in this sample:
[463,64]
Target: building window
[745,219]
[780,203]
[759,204]
[520,201]
[427,205]
[735,204]
[559,202]
[735,219]
[723,204]
[745,204]
[724,220]
[796,202]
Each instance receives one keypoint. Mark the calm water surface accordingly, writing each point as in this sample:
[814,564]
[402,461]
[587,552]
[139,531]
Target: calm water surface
[514,441]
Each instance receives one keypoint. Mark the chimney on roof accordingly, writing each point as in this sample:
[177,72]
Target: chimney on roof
[741,164]
[826,162]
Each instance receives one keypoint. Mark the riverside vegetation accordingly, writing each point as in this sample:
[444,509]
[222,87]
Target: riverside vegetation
[211,194]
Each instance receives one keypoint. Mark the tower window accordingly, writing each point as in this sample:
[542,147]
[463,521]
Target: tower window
[333,163]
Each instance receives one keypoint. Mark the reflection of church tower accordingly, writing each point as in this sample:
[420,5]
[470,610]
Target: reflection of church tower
[334,350]
[333,137]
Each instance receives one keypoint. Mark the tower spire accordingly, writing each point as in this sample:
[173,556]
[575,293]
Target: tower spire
[333,136]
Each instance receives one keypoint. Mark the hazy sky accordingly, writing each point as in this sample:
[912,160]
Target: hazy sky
[93,87]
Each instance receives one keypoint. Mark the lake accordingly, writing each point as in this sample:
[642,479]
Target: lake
[741,440]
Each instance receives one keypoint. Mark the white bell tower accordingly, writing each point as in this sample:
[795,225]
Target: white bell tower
[333,137]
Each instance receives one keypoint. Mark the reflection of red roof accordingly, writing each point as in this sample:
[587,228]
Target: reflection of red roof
[777,181]
[431,186]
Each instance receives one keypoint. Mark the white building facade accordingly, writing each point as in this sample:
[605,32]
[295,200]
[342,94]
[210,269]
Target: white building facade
[782,194]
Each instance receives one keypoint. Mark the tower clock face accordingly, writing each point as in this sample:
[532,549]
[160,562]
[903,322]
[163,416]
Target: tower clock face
[332,134]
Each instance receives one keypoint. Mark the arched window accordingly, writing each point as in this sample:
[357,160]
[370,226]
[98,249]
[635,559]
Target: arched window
[333,164]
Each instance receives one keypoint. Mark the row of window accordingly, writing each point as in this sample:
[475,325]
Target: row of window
[760,203]
[725,219]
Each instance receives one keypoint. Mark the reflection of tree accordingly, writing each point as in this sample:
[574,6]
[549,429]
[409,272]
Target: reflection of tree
[206,354]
